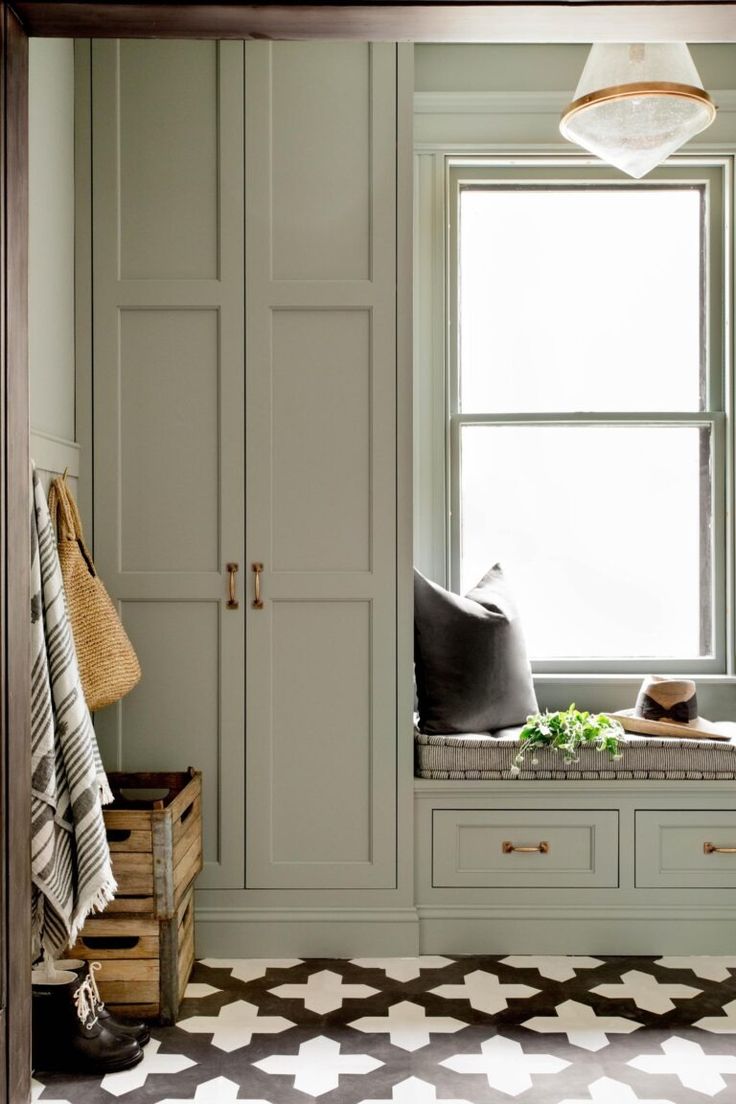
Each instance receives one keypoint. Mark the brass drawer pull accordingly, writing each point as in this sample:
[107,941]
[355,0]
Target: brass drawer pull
[257,602]
[232,599]
[509,848]
[711,849]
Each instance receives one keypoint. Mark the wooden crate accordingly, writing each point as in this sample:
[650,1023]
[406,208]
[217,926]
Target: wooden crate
[145,962]
[155,842]
[145,937]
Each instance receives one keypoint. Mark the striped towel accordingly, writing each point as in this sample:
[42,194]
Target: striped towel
[70,857]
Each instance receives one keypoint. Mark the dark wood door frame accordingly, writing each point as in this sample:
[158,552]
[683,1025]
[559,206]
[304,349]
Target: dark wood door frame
[15,759]
[502,21]
[505,21]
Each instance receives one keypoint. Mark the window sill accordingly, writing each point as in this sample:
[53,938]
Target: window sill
[624,679]
[606,693]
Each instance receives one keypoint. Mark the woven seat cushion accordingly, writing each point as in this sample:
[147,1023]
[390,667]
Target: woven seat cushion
[490,757]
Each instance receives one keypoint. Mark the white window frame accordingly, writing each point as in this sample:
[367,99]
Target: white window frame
[438,420]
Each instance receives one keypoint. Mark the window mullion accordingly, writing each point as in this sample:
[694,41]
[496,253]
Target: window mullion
[704,418]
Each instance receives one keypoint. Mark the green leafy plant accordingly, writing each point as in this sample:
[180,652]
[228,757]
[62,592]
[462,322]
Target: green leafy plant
[567,731]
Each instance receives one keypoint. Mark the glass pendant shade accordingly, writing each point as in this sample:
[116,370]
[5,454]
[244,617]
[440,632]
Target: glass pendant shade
[636,103]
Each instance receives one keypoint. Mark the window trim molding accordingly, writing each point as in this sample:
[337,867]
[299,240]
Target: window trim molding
[476,115]
[433,424]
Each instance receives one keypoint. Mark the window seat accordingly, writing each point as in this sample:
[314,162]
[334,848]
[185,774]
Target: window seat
[480,756]
[635,856]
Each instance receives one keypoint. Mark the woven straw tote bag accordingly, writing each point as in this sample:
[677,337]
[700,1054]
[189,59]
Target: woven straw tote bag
[108,665]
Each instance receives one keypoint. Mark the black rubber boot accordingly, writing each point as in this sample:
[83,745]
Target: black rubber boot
[126,1029]
[67,1034]
[51,1002]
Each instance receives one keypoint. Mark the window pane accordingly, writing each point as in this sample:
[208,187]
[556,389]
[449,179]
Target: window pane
[599,529]
[580,299]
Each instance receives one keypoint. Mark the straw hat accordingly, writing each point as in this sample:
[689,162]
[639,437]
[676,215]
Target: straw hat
[669,707]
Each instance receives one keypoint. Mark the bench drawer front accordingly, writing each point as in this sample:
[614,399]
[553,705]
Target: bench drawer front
[568,848]
[675,849]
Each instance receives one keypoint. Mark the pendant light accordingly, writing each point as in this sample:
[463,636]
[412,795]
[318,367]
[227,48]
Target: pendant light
[636,103]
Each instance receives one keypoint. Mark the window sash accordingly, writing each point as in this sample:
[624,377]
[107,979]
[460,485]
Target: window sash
[716,423]
[479,173]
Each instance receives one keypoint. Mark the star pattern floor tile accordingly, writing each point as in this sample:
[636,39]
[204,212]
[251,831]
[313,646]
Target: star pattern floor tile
[540,1029]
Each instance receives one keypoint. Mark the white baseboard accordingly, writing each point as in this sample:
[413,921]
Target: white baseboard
[305,933]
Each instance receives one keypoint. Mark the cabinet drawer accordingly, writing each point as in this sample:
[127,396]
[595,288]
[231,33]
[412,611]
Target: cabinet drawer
[674,849]
[571,848]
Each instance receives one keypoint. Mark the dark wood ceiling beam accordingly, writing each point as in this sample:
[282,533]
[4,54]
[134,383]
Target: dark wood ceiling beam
[549,21]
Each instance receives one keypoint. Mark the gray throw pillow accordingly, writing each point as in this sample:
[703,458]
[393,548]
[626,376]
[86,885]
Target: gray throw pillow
[472,669]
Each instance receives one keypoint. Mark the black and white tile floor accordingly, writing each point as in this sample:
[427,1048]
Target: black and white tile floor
[433,1030]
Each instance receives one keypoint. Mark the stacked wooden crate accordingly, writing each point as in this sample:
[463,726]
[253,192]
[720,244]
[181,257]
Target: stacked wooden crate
[145,938]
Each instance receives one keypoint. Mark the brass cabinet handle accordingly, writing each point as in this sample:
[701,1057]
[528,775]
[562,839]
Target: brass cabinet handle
[232,600]
[712,849]
[509,848]
[257,602]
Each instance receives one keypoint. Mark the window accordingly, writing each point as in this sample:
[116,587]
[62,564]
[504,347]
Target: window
[587,423]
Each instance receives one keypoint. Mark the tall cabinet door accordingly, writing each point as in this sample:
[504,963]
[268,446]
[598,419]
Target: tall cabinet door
[321,465]
[168,347]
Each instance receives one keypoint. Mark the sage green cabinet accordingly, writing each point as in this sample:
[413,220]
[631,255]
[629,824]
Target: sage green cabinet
[686,848]
[243,256]
[512,847]
[321,124]
[624,870]
[167,233]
